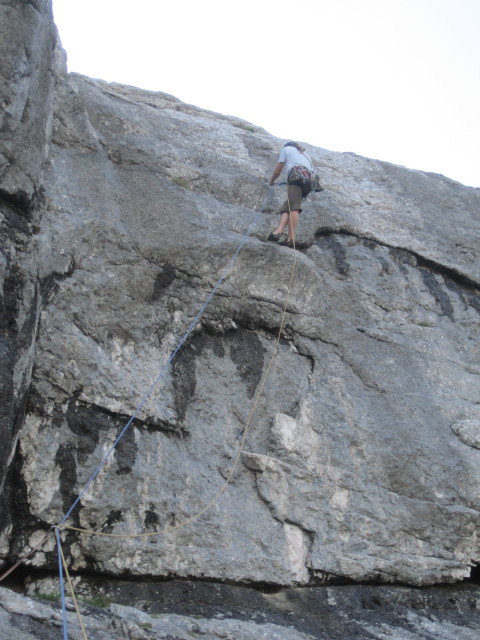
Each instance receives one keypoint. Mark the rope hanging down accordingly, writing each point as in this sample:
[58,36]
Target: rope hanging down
[72,591]
[165,368]
[61,559]
[150,390]
[224,486]
[248,422]
[62,585]
[232,470]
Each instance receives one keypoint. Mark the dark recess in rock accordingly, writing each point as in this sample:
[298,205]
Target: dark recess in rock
[14,225]
[403,257]
[338,251]
[26,335]
[213,330]
[324,613]
[245,349]
[438,293]
[87,425]
[183,375]
[126,452]
[370,244]
[151,518]
[113,517]
[15,234]
[65,458]
[6,396]
[11,301]
[248,354]
[162,281]
[18,202]
[88,421]
[475,574]
[473,300]
[49,284]
[469,296]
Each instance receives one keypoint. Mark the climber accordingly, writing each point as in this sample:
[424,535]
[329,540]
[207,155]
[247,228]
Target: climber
[299,170]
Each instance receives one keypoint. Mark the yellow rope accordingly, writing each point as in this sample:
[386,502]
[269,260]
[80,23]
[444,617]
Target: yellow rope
[242,442]
[72,591]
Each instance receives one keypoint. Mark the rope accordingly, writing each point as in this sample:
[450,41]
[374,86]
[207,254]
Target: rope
[164,369]
[27,555]
[224,486]
[248,422]
[224,274]
[62,565]
[62,586]
[72,591]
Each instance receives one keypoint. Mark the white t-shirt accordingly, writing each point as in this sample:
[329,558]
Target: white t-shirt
[291,156]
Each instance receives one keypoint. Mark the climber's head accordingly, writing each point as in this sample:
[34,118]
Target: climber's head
[294,144]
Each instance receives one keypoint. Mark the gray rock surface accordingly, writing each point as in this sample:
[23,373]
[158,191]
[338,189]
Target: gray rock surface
[27,49]
[184,610]
[362,462]
[468,431]
[351,468]
[27,60]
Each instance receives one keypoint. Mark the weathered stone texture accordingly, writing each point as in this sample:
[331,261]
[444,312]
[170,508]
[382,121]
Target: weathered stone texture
[353,467]
[186,610]
[362,461]
[26,79]
[27,60]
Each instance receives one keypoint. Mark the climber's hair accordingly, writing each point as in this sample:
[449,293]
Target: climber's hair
[296,145]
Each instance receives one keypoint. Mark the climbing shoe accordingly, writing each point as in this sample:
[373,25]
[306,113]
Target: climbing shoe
[273,237]
[288,244]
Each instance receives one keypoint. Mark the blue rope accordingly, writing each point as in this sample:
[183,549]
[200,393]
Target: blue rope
[62,586]
[165,368]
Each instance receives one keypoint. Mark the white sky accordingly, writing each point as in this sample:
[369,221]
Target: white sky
[397,80]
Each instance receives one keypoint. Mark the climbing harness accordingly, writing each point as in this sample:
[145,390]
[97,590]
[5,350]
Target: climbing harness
[62,565]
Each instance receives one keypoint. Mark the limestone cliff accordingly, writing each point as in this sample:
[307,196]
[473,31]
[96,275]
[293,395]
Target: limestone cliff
[120,208]
[27,58]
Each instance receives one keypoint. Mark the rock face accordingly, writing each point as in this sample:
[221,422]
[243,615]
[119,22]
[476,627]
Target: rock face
[27,59]
[362,461]
[188,611]
[26,81]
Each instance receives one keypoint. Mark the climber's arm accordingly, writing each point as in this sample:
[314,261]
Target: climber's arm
[276,172]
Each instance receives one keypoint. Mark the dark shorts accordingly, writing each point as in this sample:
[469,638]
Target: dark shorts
[295,194]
